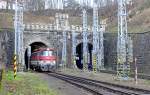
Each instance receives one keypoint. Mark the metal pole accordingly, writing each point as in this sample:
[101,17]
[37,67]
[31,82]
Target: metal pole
[22,36]
[122,52]
[18,25]
[85,40]
[57,63]
[28,63]
[98,49]
[15,25]
[15,52]
[135,78]
[64,50]
[29,54]
[74,49]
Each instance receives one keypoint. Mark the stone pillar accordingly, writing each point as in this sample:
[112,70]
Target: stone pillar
[69,51]
[57,20]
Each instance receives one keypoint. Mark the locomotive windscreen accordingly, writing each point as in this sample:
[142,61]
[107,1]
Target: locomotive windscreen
[43,59]
[46,53]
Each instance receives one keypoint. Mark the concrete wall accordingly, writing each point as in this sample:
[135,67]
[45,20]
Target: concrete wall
[141,47]
[110,50]
[6,47]
[141,50]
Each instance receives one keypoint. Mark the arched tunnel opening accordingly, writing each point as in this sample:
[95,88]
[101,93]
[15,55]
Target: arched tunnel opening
[79,56]
[34,46]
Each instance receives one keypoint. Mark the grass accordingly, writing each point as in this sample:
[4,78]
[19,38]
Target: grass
[24,84]
[131,29]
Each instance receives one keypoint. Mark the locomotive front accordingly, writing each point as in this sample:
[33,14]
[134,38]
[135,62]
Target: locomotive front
[44,60]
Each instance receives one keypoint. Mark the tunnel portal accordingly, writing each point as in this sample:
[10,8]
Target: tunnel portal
[79,56]
[34,46]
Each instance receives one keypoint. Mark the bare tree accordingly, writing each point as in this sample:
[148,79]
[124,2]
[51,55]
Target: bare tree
[35,5]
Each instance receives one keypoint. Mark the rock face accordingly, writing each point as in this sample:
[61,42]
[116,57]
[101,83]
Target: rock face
[6,47]
[141,47]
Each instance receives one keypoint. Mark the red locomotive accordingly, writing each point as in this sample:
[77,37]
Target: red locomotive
[43,59]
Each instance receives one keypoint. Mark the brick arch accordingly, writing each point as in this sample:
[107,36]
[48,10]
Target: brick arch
[38,39]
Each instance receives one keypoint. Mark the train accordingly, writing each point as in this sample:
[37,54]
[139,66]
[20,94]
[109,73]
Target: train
[43,59]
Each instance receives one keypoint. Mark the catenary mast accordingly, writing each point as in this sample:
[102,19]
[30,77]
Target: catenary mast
[85,40]
[123,66]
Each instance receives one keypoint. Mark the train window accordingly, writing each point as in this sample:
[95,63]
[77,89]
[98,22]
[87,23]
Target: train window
[50,53]
[46,53]
[43,53]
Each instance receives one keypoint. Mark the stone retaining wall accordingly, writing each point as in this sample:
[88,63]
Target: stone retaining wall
[141,50]
[6,47]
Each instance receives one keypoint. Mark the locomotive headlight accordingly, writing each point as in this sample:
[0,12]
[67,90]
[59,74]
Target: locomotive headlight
[54,62]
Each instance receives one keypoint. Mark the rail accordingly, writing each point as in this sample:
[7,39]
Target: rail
[98,87]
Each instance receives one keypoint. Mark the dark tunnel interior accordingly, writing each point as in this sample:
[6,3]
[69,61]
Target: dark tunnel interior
[79,56]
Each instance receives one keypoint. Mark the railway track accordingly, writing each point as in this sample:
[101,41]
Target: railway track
[98,87]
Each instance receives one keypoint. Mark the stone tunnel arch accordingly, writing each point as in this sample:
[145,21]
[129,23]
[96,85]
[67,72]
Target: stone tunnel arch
[34,45]
[79,56]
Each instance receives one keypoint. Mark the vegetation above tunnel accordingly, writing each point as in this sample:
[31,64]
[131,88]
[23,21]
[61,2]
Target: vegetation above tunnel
[138,15]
